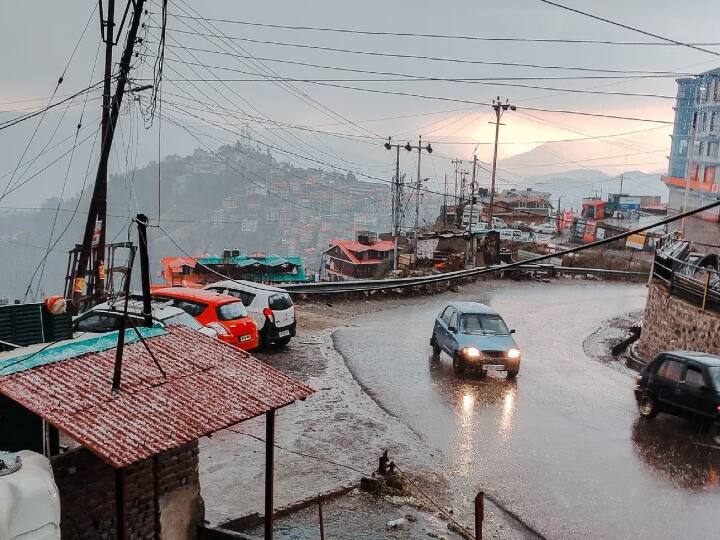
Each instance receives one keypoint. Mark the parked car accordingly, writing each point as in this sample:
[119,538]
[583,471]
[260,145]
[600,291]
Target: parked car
[271,307]
[682,383]
[225,314]
[544,228]
[106,317]
[475,336]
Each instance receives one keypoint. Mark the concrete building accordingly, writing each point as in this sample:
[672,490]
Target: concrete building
[361,258]
[694,162]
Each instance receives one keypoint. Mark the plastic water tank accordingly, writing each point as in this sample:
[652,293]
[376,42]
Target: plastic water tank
[29,499]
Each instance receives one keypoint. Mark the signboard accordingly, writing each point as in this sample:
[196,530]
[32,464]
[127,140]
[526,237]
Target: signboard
[589,232]
[636,241]
[600,233]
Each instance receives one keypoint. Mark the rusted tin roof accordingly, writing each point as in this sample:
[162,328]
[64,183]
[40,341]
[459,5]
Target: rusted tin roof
[208,386]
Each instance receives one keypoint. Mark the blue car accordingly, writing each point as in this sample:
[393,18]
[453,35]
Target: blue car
[475,336]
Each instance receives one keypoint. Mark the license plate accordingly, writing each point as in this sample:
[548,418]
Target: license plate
[247,337]
[284,333]
[494,367]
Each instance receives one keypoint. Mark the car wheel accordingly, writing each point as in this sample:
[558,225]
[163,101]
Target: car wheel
[458,365]
[512,373]
[282,341]
[647,406]
[435,347]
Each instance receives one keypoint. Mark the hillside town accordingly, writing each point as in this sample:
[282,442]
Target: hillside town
[275,273]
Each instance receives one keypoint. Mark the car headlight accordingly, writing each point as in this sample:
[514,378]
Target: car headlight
[513,353]
[471,352]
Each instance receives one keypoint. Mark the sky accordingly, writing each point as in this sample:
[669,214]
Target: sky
[201,106]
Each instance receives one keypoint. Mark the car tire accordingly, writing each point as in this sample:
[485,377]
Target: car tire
[458,365]
[435,347]
[512,373]
[281,342]
[647,406]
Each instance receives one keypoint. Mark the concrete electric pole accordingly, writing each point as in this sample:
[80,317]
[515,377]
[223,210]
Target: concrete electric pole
[499,108]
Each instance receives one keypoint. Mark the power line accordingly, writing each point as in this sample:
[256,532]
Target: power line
[458,100]
[436,58]
[625,26]
[403,77]
[444,36]
[668,75]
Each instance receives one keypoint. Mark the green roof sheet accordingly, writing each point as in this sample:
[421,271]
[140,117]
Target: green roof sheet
[71,348]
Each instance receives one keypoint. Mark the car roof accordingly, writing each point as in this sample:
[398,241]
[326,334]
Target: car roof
[473,307]
[200,295]
[230,284]
[697,356]
[160,311]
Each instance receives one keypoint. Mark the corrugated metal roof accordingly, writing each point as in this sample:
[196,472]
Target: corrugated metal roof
[209,385]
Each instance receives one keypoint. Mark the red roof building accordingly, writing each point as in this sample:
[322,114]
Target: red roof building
[355,259]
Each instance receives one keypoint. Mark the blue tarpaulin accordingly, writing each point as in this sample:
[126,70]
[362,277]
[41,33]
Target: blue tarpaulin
[70,348]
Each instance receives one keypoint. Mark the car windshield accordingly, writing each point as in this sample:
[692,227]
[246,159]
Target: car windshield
[715,376]
[231,311]
[482,323]
[183,319]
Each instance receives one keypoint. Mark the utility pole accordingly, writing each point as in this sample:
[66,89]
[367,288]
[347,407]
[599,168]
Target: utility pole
[470,251]
[94,236]
[409,147]
[557,216]
[417,196]
[688,168]
[445,203]
[499,108]
[456,162]
[396,200]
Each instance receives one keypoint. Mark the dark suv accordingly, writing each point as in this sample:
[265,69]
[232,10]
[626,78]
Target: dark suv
[682,383]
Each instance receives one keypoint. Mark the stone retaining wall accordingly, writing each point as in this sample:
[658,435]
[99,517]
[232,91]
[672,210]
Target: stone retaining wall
[671,323]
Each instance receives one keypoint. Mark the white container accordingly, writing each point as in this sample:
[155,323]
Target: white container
[29,499]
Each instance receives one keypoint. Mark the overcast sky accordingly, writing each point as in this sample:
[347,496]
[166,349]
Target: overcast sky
[38,38]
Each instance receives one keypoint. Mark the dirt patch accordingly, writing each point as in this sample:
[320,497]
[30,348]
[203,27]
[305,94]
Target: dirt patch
[599,344]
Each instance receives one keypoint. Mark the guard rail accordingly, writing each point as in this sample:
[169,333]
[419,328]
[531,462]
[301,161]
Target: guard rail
[334,287]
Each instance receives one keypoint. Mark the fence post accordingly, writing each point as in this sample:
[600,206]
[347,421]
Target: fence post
[479,514]
[320,515]
[707,286]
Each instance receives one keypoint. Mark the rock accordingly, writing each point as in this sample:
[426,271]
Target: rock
[371,485]
[396,523]
[411,518]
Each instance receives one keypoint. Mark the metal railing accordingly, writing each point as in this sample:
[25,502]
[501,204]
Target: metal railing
[334,287]
[698,285]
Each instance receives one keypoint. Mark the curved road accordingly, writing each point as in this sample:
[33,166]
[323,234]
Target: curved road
[562,446]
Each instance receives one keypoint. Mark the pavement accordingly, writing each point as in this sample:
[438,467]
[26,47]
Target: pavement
[561,448]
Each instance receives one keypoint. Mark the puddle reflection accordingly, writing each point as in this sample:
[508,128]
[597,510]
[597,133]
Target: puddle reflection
[474,399]
[679,451]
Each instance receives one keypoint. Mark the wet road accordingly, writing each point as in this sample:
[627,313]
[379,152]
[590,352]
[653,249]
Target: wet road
[562,446]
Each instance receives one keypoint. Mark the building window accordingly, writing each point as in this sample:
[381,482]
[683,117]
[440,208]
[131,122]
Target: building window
[693,173]
[713,148]
[709,175]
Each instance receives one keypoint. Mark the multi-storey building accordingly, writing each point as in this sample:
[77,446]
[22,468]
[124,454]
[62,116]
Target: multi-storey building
[694,162]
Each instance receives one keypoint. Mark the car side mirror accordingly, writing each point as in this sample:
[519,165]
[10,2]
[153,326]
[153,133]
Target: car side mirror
[512,331]
[452,329]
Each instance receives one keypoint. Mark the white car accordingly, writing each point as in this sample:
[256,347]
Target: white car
[106,317]
[544,228]
[270,307]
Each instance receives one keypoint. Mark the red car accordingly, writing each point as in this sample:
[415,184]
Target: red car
[225,314]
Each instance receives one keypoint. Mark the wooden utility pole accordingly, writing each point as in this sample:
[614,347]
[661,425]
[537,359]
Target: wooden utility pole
[94,236]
